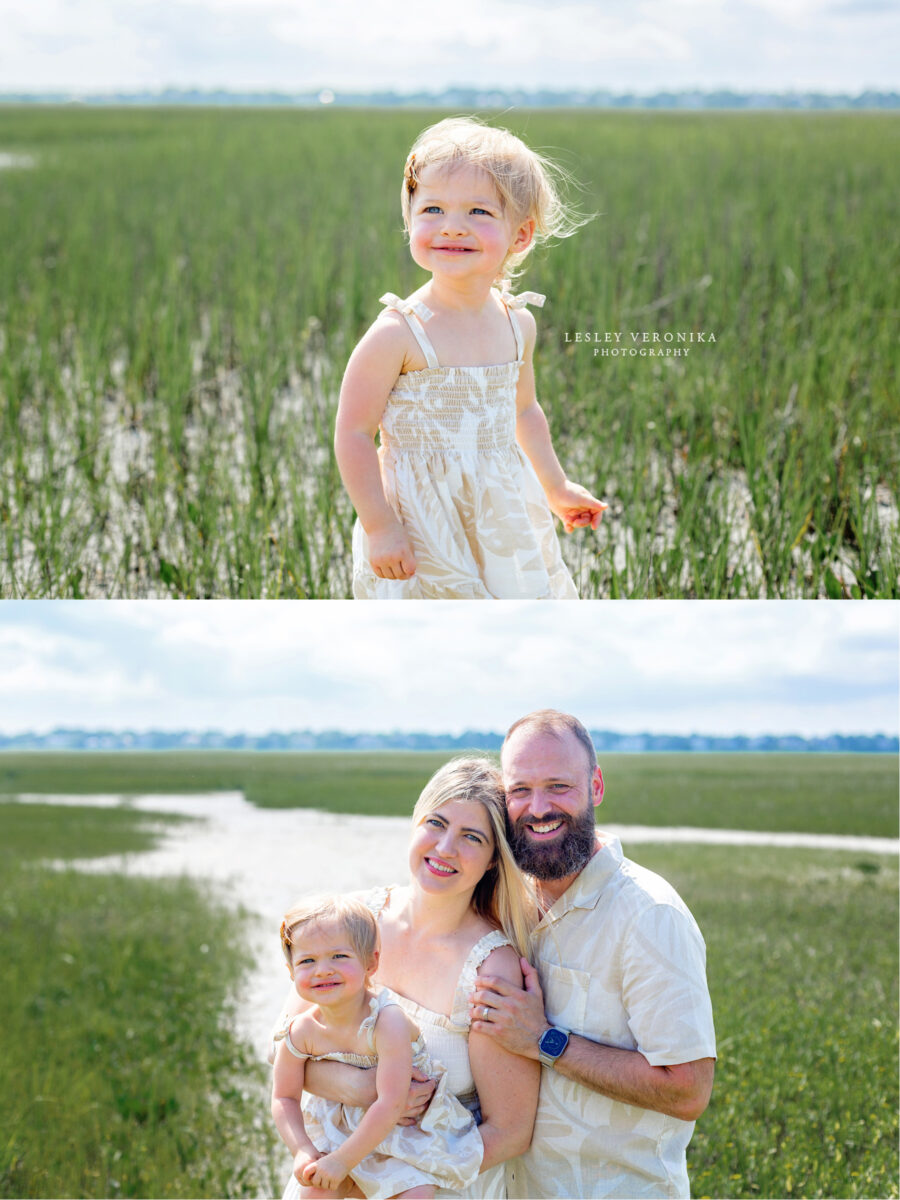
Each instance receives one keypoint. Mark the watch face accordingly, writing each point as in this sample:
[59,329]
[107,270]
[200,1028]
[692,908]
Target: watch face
[553,1042]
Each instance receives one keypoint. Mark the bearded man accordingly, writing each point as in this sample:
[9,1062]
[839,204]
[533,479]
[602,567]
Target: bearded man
[616,1007]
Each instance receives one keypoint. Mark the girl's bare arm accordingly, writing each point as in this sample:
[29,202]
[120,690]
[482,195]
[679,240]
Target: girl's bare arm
[287,1085]
[573,504]
[371,373]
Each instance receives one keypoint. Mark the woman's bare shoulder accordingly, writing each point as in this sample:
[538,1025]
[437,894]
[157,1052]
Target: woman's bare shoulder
[503,962]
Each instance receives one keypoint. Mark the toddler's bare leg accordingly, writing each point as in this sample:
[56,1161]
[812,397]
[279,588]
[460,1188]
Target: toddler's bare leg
[424,1192]
[347,1191]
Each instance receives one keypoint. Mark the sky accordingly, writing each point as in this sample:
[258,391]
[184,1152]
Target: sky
[728,667]
[360,45]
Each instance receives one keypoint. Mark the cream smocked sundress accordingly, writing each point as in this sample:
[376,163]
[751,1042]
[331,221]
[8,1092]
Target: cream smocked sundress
[459,482]
[444,1149]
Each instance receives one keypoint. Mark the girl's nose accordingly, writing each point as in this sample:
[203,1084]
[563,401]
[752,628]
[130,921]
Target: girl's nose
[454,223]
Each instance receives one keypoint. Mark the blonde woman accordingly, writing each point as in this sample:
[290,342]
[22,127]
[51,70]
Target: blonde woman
[465,908]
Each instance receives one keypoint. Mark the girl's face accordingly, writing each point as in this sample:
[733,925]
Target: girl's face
[451,848]
[457,224]
[325,967]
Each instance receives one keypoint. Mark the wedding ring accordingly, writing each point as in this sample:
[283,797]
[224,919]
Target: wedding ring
[484,1012]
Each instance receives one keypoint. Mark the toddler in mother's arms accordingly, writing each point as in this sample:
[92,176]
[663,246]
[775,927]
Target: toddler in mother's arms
[331,946]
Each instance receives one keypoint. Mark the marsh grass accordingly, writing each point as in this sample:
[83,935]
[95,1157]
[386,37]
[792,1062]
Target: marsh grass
[119,1074]
[180,291]
[821,793]
[802,954]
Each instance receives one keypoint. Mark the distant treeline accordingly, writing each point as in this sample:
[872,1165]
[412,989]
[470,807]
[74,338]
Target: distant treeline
[474,98]
[471,739]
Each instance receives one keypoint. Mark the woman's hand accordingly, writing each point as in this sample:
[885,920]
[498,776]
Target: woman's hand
[326,1172]
[575,506]
[391,553]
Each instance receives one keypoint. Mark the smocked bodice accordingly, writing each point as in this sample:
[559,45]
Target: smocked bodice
[452,410]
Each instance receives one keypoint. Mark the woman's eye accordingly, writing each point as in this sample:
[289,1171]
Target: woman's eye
[435,822]
[473,837]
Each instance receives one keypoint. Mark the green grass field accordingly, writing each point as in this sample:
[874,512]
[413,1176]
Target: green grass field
[802,962]
[820,793]
[119,1075]
[180,290]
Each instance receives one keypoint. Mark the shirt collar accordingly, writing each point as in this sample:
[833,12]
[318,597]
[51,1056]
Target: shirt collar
[589,883]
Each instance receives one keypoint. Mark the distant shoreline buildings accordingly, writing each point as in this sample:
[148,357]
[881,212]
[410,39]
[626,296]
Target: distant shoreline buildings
[606,741]
[472,98]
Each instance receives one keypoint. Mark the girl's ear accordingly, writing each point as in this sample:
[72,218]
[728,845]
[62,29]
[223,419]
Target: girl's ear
[373,963]
[524,235]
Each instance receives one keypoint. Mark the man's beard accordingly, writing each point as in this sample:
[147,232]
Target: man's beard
[558,859]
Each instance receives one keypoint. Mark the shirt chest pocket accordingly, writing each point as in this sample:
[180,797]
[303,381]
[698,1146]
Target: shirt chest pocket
[565,996]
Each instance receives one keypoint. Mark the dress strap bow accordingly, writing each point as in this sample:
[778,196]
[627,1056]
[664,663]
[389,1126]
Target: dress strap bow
[407,307]
[522,299]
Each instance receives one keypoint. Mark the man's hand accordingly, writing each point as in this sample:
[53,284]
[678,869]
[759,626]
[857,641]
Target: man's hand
[515,1018]
[420,1092]
[575,506]
[327,1172]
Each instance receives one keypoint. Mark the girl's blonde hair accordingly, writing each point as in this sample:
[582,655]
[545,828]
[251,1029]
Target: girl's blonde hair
[350,913]
[503,895]
[529,185]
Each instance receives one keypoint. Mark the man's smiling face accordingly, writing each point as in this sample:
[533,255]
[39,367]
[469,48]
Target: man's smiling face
[551,793]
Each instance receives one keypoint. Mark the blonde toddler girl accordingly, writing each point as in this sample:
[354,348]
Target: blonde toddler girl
[331,945]
[456,502]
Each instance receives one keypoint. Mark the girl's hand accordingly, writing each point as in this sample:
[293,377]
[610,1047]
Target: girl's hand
[327,1172]
[575,506]
[303,1160]
[391,553]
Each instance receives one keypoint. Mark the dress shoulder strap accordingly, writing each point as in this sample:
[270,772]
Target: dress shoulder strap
[416,314]
[459,1014]
[380,1000]
[513,302]
[285,1035]
[376,899]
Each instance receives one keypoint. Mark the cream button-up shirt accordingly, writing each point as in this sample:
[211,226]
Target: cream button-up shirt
[622,962]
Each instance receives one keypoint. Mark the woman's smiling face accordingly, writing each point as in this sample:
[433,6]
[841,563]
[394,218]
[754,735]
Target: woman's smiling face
[452,846]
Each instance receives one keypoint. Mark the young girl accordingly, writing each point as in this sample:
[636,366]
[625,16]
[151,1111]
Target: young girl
[331,945]
[450,507]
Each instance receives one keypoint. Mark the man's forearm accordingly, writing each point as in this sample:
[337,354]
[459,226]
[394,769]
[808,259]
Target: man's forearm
[681,1091]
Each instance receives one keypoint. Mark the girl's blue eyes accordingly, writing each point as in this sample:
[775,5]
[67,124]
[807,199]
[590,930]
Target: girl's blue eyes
[433,208]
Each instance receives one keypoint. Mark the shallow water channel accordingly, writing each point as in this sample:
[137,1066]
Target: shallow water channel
[262,859]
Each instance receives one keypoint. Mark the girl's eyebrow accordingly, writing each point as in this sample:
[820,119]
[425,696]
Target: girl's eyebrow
[477,201]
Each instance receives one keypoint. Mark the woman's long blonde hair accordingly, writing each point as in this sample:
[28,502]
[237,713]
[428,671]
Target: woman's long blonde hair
[503,895]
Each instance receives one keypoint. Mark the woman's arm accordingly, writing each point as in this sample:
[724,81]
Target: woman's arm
[507,1084]
[371,373]
[572,503]
[393,1073]
[345,1084]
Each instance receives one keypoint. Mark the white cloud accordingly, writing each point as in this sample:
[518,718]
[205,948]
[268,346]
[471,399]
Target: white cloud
[720,667]
[107,44]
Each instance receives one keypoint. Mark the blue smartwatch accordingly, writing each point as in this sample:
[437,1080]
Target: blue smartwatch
[551,1045]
